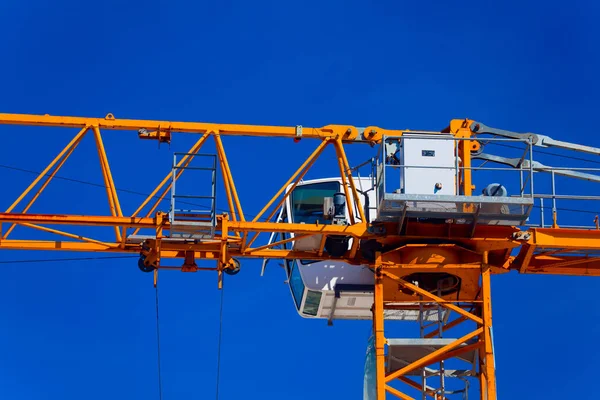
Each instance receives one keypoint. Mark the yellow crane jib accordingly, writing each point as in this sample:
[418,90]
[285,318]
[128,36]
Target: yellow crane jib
[405,237]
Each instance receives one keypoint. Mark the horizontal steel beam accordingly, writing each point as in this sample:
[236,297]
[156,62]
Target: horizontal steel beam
[345,132]
[565,238]
[53,219]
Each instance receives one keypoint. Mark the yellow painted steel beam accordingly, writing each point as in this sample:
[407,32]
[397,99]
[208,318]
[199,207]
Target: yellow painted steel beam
[397,393]
[357,230]
[347,170]
[109,184]
[286,254]
[345,182]
[78,220]
[522,260]
[67,234]
[226,183]
[345,132]
[488,367]
[322,245]
[378,330]
[433,266]
[12,244]
[565,238]
[227,172]
[427,305]
[168,250]
[560,242]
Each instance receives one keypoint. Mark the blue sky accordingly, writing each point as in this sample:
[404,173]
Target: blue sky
[86,329]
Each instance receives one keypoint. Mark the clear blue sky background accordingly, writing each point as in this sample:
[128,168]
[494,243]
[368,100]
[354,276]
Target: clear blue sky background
[73,330]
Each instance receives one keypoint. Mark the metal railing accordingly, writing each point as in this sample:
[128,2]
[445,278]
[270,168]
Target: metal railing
[429,202]
[542,195]
[525,159]
[194,222]
[555,200]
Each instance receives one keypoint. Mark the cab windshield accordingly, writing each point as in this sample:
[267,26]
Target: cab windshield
[307,201]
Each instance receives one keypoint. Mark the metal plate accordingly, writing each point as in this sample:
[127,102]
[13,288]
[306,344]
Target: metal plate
[402,352]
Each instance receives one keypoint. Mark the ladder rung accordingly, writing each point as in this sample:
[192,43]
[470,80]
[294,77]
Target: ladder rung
[196,168]
[182,196]
[193,215]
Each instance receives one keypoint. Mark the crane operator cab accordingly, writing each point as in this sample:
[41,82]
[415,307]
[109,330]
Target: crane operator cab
[330,289]
[323,288]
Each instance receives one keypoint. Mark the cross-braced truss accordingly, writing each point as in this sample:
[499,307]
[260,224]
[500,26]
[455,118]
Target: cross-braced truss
[472,252]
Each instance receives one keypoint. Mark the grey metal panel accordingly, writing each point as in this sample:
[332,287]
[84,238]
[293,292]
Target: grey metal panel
[137,239]
[420,342]
[459,199]
[402,352]
[487,211]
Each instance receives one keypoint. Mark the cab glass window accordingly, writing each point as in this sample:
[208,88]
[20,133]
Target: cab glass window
[296,283]
[311,305]
[307,201]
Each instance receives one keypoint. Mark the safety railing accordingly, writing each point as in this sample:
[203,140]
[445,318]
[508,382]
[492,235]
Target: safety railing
[193,215]
[555,206]
[421,175]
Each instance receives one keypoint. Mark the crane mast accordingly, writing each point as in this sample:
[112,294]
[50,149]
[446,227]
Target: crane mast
[430,242]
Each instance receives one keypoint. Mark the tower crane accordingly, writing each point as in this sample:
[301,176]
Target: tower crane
[415,238]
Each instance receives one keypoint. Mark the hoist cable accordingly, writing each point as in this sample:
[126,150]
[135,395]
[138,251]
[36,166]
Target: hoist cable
[158,347]
[219,343]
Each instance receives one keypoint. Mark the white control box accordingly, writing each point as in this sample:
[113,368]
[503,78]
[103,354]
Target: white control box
[417,152]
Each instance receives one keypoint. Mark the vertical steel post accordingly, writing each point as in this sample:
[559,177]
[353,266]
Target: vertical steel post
[378,328]
[174,172]
[111,191]
[554,216]
[422,331]
[441,334]
[521,180]
[457,182]
[542,210]
[383,168]
[531,167]
[489,369]
[213,207]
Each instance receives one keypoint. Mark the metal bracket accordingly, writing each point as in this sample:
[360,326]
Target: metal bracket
[475,219]
[402,218]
